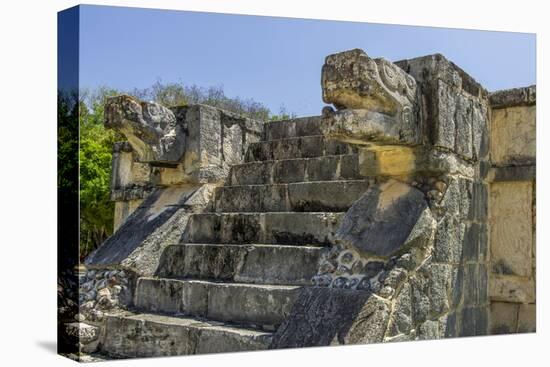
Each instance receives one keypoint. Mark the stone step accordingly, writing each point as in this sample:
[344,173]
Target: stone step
[261,306]
[326,168]
[309,228]
[260,264]
[298,147]
[303,126]
[319,196]
[148,335]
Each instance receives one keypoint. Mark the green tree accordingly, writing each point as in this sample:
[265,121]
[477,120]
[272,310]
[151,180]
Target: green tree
[95,154]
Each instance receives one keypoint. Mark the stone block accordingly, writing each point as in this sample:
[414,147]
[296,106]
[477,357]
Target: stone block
[471,283]
[511,228]
[325,196]
[513,135]
[380,222]
[527,318]
[511,289]
[428,330]
[470,247]
[349,167]
[146,335]
[223,339]
[449,240]
[288,228]
[504,317]
[431,286]
[260,264]
[261,305]
[401,318]
[482,320]
[304,126]
[321,316]
[172,296]
[479,203]
[123,209]
[387,160]
[121,168]
[449,326]
[514,97]
[512,173]
[468,321]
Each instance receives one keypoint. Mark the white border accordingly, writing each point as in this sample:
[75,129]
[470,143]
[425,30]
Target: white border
[28,180]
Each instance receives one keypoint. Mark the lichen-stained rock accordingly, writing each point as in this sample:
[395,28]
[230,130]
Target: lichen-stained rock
[431,287]
[321,316]
[380,222]
[455,106]
[370,324]
[381,99]
[150,128]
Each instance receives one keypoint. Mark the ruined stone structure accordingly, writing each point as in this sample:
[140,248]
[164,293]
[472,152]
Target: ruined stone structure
[405,212]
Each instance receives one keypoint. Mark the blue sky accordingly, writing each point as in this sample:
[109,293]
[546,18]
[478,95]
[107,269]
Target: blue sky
[276,61]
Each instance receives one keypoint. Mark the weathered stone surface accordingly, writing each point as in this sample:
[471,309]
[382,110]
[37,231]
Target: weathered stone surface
[513,173]
[278,228]
[320,316]
[361,126]
[193,143]
[511,289]
[327,168]
[401,318]
[380,222]
[431,68]
[449,241]
[456,107]
[172,296]
[428,330]
[431,286]
[304,126]
[387,160]
[298,147]
[370,324]
[514,97]
[267,264]
[513,136]
[150,128]
[160,221]
[527,318]
[511,228]
[504,317]
[168,336]
[319,196]
[209,130]
[125,170]
[123,209]
[381,99]
[231,302]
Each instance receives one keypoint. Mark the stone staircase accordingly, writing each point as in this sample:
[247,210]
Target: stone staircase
[235,276]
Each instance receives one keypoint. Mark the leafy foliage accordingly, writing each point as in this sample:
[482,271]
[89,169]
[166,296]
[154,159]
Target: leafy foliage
[95,154]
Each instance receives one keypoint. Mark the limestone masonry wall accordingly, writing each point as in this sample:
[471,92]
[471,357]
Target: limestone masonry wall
[512,204]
